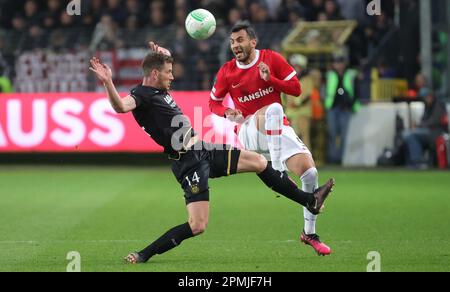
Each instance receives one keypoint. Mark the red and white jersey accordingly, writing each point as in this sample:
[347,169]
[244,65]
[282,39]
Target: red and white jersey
[247,89]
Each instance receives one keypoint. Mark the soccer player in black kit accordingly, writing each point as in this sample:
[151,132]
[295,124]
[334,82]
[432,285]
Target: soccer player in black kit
[193,161]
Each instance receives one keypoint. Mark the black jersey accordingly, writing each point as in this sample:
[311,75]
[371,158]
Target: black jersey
[158,114]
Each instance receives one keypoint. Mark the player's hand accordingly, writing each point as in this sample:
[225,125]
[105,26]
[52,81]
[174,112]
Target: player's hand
[264,71]
[233,115]
[154,47]
[102,71]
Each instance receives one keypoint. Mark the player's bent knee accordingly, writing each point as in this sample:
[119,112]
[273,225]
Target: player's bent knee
[275,109]
[261,163]
[300,164]
[309,165]
[310,176]
[198,226]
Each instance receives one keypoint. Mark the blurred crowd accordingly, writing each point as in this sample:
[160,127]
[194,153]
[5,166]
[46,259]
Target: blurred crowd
[43,48]
[115,24]
[50,14]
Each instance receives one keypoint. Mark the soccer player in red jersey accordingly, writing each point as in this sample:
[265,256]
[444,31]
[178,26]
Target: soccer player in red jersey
[255,80]
[194,162]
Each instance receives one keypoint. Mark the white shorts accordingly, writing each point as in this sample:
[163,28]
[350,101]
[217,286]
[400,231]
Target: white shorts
[253,140]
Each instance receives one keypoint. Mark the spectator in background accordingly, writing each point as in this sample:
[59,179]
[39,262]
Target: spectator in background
[33,38]
[52,14]
[353,9]
[318,130]
[420,85]
[259,13]
[298,109]
[2,43]
[18,23]
[5,82]
[158,23]
[202,76]
[315,8]
[182,4]
[93,15]
[332,10]
[218,7]
[156,14]
[294,18]
[253,11]
[131,36]
[32,15]
[234,15]
[384,71]
[70,36]
[116,11]
[66,20]
[287,7]
[179,74]
[180,16]
[375,32]
[322,16]
[58,41]
[433,124]
[134,8]
[341,101]
[32,35]
[180,46]
[272,7]
[105,35]
[242,6]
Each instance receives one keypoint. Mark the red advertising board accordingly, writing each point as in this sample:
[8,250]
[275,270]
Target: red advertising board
[85,122]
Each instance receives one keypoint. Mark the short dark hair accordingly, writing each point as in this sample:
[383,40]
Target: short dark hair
[155,61]
[245,25]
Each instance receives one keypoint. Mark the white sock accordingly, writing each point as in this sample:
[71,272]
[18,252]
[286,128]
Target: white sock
[274,126]
[310,182]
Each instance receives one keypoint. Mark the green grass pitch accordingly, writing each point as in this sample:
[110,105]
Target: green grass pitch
[104,213]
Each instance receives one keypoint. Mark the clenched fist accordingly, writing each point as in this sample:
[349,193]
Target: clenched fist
[264,71]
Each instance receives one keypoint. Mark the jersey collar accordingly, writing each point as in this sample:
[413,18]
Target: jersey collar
[240,66]
[154,90]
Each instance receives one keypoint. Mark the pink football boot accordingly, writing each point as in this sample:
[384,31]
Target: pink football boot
[314,241]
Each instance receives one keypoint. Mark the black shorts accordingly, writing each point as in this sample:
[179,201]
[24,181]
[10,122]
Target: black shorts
[195,167]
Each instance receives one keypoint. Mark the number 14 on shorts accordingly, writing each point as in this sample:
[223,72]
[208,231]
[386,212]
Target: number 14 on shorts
[194,179]
[194,183]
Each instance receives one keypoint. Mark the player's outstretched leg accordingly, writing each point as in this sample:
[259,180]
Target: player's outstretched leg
[198,220]
[166,242]
[310,181]
[281,183]
[303,166]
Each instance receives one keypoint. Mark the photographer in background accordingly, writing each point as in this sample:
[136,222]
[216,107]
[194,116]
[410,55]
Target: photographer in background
[423,136]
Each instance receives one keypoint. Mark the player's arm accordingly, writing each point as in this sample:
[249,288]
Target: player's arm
[217,95]
[290,85]
[104,74]
[216,104]
[217,108]
[284,79]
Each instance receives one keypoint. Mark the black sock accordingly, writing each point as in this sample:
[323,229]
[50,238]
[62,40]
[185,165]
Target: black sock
[282,184]
[166,242]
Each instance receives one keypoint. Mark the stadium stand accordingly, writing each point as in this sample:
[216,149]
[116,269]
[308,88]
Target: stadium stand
[42,36]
